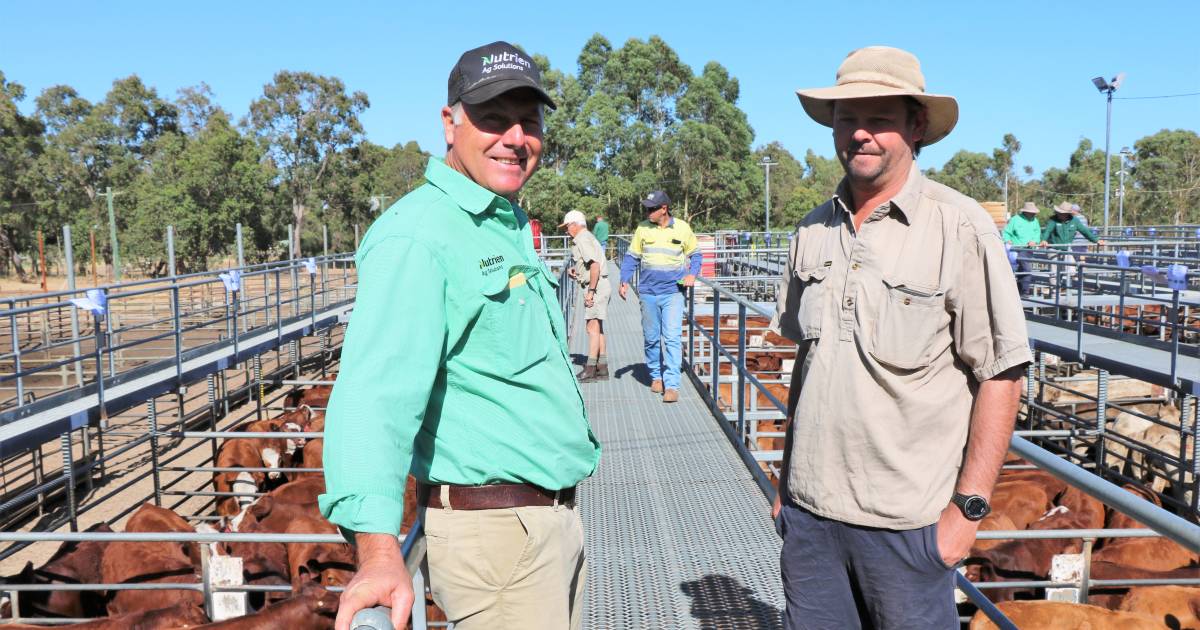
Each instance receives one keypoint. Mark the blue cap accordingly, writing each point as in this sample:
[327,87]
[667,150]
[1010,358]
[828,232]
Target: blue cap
[656,199]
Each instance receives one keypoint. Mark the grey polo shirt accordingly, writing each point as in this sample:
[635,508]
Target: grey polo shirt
[897,325]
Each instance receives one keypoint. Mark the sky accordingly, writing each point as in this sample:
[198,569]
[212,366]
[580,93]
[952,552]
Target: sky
[1015,67]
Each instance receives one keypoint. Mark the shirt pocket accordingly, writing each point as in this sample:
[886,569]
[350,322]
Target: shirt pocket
[513,321]
[812,300]
[907,324]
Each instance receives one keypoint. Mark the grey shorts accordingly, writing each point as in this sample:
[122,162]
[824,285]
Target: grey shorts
[837,575]
[599,308]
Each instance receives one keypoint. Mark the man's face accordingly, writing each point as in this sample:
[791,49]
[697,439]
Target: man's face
[874,137]
[656,214]
[498,142]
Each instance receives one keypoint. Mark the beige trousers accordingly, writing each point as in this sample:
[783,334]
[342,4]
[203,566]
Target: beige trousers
[520,568]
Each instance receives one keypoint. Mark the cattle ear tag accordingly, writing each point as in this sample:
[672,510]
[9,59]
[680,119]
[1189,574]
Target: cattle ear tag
[516,280]
[828,263]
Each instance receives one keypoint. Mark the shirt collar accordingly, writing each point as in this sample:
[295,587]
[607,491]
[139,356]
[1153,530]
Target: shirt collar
[467,194]
[905,201]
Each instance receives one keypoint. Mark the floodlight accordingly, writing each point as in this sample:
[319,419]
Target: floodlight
[1100,84]
[1117,80]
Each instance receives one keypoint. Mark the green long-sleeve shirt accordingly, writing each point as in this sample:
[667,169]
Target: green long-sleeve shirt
[1063,232]
[455,362]
[600,230]
[1022,230]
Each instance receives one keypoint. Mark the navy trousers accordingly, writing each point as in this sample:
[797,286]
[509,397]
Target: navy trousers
[837,575]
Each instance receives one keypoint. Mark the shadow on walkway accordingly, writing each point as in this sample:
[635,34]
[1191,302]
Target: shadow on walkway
[720,602]
[639,371]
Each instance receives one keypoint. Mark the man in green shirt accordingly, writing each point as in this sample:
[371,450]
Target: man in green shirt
[1023,230]
[600,230]
[455,368]
[1059,234]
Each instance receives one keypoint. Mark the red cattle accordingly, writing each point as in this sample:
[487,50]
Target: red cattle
[1150,554]
[1172,606]
[1048,615]
[175,617]
[143,562]
[313,609]
[246,453]
[1022,501]
[326,564]
[73,563]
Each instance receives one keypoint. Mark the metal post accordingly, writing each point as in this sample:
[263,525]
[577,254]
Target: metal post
[152,415]
[39,475]
[258,386]
[69,254]
[1107,138]
[766,163]
[68,462]
[1101,417]
[112,233]
[741,379]
[1121,192]
[292,253]
[16,347]
[714,358]
[212,412]
[206,579]
[241,252]
[1193,411]
[356,241]
[42,258]
[692,327]
[171,251]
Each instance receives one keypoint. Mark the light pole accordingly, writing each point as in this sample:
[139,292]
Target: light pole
[1107,87]
[766,163]
[1125,154]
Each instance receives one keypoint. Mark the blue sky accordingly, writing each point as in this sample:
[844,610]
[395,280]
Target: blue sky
[1019,67]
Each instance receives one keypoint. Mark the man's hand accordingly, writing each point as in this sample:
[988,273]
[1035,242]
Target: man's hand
[571,272]
[689,280]
[589,298]
[1031,244]
[1100,242]
[624,288]
[955,535]
[1044,243]
[381,579]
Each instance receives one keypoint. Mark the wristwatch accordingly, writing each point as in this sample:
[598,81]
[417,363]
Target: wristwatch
[973,506]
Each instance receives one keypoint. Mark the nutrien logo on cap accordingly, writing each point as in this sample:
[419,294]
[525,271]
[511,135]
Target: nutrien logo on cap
[504,61]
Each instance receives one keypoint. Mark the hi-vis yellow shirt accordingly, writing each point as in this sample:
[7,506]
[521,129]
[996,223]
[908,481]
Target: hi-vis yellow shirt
[455,364]
[664,255]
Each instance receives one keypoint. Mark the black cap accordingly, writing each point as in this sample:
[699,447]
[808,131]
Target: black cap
[656,199]
[484,73]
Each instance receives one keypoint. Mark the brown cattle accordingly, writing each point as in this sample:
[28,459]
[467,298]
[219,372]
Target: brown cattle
[1023,502]
[312,457]
[179,616]
[143,562]
[1111,596]
[303,490]
[1120,520]
[1150,554]
[992,522]
[246,453]
[1047,615]
[313,609]
[326,564]
[1173,606]
[73,563]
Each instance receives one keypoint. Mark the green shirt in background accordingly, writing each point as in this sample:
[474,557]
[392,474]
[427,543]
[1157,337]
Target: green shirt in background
[1021,230]
[600,231]
[1063,232]
[455,362]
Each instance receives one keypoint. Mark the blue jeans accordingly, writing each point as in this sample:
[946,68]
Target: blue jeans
[662,326]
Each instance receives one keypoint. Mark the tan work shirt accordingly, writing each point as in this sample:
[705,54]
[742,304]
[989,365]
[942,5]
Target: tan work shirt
[897,325]
[586,249]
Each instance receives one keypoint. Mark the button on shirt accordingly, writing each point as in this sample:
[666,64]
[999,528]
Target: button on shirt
[455,361]
[897,325]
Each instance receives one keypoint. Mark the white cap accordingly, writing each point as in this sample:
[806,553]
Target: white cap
[573,216]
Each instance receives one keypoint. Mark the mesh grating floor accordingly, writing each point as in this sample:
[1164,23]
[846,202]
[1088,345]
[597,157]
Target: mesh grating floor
[678,534]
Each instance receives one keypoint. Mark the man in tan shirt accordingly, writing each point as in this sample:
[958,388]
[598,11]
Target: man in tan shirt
[911,342]
[588,268]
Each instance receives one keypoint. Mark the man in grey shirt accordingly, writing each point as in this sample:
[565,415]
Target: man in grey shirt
[912,340]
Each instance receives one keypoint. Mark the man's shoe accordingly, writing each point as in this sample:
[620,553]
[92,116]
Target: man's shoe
[656,386]
[588,374]
[601,371]
[671,395]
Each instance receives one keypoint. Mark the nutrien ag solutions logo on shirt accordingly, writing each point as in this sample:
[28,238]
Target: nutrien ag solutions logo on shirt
[490,264]
[504,61]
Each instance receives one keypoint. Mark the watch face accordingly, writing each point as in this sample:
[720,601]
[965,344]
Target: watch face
[976,508]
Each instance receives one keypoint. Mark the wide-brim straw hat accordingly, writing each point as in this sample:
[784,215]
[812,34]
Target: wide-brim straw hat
[877,71]
[1029,208]
[1063,208]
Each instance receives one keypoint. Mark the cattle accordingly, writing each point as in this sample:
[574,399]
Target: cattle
[1048,615]
[1120,520]
[143,562]
[1085,391]
[1111,596]
[245,453]
[1150,554]
[1172,606]
[327,564]
[179,616]
[313,609]
[315,396]
[312,457]
[1022,501]
[992,522]
[72,563]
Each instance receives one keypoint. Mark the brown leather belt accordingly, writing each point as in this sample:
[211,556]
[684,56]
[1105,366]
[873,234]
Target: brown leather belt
[492,497]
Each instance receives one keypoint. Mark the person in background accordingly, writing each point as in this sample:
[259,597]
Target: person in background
[1060,232]
[664,249]
[455,369]
[601,232]
[535,229]
[589,269]
[1024,230]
